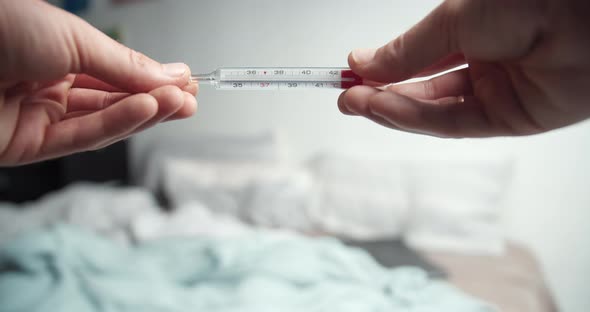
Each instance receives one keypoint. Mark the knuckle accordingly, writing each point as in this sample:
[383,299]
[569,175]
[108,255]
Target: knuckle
[138,62]
[373,105]
[429,89]
[106,100]
[137,58]
[393,55]
[394,50]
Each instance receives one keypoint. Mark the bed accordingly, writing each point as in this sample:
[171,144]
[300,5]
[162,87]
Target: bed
[512,281]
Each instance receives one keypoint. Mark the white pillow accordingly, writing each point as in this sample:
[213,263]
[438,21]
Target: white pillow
[359,198]
[267,147]
[271,195]
[456,205]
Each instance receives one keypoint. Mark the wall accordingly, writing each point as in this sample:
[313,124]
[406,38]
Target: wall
[549,205]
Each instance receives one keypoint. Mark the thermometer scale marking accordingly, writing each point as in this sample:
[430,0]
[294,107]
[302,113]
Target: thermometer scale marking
[279,78]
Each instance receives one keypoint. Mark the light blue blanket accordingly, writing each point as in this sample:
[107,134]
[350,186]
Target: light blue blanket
[69,270]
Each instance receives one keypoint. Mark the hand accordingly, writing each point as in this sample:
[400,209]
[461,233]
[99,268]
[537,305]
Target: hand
[529,70]
[65,87]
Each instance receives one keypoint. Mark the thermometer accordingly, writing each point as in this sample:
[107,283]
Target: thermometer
[279,78]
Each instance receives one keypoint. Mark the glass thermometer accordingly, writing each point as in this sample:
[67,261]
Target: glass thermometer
[279,78]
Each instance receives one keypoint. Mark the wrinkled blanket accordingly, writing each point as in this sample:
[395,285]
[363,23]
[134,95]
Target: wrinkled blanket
[66,269]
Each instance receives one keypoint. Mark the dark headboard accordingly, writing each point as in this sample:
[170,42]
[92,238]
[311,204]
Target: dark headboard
[29,182]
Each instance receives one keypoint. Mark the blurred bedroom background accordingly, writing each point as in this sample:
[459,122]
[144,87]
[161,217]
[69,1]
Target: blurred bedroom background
[505,219]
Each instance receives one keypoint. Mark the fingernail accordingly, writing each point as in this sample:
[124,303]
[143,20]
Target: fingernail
[351,110]
[346,111]
[175,70]
[363,56]
[342,104]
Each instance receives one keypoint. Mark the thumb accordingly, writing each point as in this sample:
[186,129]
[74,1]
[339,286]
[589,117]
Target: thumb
[486,31]
[427,42]
[104,58]
[41,42]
